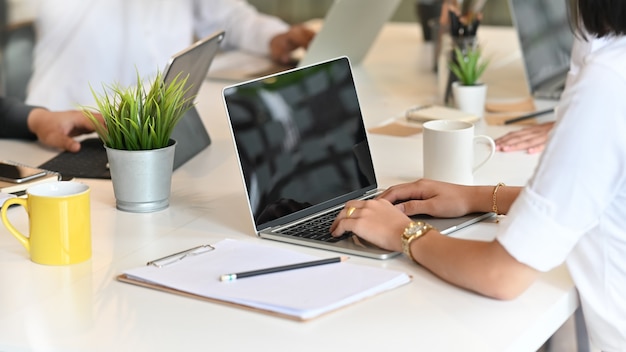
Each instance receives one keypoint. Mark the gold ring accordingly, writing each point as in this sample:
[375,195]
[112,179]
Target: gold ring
[350,211]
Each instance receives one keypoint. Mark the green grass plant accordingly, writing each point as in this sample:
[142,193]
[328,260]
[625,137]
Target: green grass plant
[467,66]
[140,117]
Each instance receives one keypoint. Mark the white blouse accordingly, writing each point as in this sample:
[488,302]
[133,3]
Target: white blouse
[574,208]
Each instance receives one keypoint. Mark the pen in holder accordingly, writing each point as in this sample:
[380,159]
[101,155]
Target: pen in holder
[462,34]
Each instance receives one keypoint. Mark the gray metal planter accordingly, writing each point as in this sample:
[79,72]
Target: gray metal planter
[142,178]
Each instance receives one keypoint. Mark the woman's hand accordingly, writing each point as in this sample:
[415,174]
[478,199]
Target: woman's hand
[382,223]
[434,198]
[376,221]
[532,138]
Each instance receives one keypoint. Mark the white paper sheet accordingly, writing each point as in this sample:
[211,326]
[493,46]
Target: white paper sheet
[302,293]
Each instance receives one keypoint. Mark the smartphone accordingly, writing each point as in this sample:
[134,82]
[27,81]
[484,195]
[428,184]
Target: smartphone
[19,173]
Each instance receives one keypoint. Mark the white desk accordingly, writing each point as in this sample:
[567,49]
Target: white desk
[83,308]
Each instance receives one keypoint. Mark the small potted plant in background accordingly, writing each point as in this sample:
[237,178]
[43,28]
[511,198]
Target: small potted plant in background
[469,93]
[138,123]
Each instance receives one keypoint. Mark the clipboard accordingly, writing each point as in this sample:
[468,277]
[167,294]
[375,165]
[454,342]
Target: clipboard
[130,280]
[298,295]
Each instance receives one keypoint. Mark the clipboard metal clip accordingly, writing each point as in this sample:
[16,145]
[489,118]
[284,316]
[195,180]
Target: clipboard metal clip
[176,257]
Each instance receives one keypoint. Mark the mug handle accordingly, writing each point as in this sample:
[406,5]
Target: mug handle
[20,237]
[491,144]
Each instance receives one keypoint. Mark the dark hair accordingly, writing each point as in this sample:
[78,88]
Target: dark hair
[601,18]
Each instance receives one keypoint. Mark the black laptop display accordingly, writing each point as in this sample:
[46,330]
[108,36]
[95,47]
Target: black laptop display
[301,141]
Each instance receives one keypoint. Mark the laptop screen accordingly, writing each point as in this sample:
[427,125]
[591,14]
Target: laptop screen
[545,38]
[300,140]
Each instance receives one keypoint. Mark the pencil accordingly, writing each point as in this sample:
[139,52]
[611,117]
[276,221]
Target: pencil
[529,116]
[233,277]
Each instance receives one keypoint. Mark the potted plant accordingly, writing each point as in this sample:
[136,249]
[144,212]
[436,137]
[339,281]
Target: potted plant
[469,93]
[136,126]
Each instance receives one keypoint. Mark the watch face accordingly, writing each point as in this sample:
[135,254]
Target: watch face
[413,228]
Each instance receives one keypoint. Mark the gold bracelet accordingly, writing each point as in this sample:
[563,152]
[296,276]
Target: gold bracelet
[494,207]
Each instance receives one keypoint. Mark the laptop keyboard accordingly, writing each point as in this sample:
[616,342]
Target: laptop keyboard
[316,228]
[90,162]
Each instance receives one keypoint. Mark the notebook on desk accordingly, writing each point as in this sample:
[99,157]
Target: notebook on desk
[350,28]
[303,152]
[190,134]
[545,39]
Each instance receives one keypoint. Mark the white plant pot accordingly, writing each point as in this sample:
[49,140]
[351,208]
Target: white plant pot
[142,179]
[470,99]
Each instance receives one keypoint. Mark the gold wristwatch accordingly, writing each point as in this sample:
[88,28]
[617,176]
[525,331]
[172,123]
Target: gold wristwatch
[415,230]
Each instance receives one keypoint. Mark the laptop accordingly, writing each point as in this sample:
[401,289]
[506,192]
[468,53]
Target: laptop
[190,134]
[303,152]
[350,28]
[545,39]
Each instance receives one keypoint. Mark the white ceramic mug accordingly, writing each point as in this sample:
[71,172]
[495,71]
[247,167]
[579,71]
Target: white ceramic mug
[449,148]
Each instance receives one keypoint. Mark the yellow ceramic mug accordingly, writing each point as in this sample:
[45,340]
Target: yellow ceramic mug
[59,222]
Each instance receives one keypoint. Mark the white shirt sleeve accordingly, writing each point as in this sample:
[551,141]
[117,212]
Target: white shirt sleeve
[245,27]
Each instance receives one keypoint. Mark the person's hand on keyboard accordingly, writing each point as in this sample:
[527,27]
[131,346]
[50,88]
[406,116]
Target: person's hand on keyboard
[56,129]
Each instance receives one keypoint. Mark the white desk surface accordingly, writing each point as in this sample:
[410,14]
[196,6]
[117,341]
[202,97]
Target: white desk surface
[83,308]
